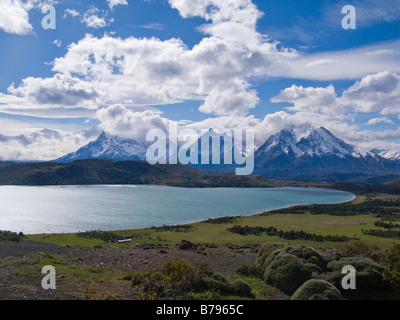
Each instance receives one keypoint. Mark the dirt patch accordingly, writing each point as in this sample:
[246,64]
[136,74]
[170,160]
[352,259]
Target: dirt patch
[16,256]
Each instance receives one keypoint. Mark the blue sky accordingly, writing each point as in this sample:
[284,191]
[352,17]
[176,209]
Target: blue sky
[120,65]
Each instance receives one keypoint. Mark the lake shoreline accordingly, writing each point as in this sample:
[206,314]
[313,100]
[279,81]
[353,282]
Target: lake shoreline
[261,212]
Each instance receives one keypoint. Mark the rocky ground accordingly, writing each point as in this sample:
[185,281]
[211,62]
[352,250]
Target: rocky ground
[18,256]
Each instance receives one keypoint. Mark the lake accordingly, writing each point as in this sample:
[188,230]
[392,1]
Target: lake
[64,209]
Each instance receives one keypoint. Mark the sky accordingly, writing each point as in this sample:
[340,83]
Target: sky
[129,66]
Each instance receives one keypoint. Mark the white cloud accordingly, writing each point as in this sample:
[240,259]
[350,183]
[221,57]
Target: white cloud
[71,12]
[153,26]
[240,11]
[322,62]
[352,63]
[58,43]
[114,3]
[379,120]
[374,93]
[61,90]
[120,121]
[14,17]
[41,144]
[318,100]
[92,20]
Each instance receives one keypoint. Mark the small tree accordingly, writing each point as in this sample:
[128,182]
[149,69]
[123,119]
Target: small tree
[391,265]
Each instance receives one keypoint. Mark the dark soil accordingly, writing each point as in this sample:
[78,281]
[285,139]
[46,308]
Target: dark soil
[132,259]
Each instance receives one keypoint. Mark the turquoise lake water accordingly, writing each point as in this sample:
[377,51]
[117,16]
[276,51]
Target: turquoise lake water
[61,209]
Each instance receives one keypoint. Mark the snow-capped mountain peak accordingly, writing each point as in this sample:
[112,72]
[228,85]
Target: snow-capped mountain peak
[321,142]
[387,154]
[107,146]
[284,141]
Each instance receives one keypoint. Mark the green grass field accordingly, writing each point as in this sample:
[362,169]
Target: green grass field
[217,234]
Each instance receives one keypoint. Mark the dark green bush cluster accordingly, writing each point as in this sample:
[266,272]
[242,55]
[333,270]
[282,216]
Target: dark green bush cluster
[288,235]
[178,279]
[369,275]
[317,290]
[387,225]
[381,208]
[288,268]
[179,228]
[395,234]
[11,236]
[291,268]
[223,220]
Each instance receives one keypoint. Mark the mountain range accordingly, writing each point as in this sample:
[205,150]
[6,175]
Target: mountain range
[320,156]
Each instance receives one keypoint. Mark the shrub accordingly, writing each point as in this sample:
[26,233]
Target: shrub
[288,268]
[287,273]
[251,270]
[360,249]
[317,290]
[11,236]
[216,282]
[391,265]
[187,245]
[369,276]
[240,287]
[179,279]
[266,250]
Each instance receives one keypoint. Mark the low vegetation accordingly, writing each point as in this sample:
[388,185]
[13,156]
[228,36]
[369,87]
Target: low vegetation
[287,235]
[11,236]
[178,279]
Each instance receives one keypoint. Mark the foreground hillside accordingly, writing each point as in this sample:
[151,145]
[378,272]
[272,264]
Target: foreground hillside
[294,253]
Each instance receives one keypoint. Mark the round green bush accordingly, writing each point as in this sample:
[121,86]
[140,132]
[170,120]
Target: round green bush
[289,267]
[266,250]
[317,290]
[217,282]
[287,273]
[369,276]
[240,287]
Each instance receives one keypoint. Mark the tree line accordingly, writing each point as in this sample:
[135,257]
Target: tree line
[287,235]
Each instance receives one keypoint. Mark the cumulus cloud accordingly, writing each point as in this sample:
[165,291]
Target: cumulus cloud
[71,12]
[114,3]
[60,90]
[41,144]
[240,11]
[374,93]
[14,17]
[120,121]
[318,100]
[92,19]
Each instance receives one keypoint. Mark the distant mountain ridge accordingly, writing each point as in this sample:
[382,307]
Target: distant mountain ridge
[316,156]
[107,146]
[320,156]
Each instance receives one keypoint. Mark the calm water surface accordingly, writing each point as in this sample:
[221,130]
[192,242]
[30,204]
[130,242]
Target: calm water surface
[60,209]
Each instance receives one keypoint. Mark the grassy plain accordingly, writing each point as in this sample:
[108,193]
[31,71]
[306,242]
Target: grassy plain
[214,234]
